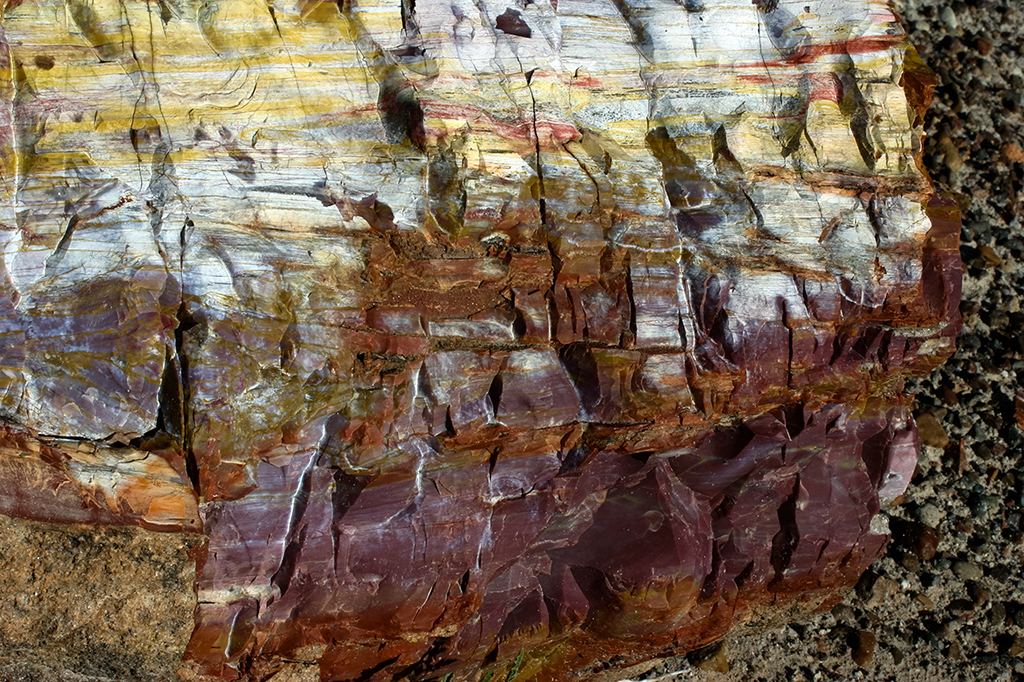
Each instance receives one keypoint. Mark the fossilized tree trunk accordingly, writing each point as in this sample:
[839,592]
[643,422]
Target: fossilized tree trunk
[463,329]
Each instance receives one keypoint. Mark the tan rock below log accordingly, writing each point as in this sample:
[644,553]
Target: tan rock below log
[474,337]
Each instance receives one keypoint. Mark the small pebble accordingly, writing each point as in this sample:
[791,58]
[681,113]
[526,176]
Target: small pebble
[990,256]
[962,608]
[1013,152]
[844,614]
[930,515]
[979,508]
[864,652]
[950,154]
[931,431]
[965,570]
[882,591]
[948,17]
[979,593]
[710,658]
[915,537]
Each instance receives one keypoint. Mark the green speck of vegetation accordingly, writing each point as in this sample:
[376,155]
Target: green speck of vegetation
[514,670]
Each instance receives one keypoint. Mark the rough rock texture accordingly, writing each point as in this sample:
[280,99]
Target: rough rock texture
[486,336]
[946,602]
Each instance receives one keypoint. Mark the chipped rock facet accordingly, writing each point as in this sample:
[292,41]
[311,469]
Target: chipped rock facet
[473,336]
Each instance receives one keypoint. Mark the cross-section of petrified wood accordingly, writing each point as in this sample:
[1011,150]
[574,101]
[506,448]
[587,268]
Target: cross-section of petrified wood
[474,335]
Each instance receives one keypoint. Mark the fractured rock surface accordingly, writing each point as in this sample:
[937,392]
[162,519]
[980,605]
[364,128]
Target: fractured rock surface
[469,333]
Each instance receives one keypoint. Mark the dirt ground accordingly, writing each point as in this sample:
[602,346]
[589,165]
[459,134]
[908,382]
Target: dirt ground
[110,602]
[947,601]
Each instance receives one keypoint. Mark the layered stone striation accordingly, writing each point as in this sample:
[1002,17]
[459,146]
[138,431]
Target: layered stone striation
[473,335]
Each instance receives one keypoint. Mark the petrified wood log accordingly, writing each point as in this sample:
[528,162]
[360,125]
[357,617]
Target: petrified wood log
[474,336]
